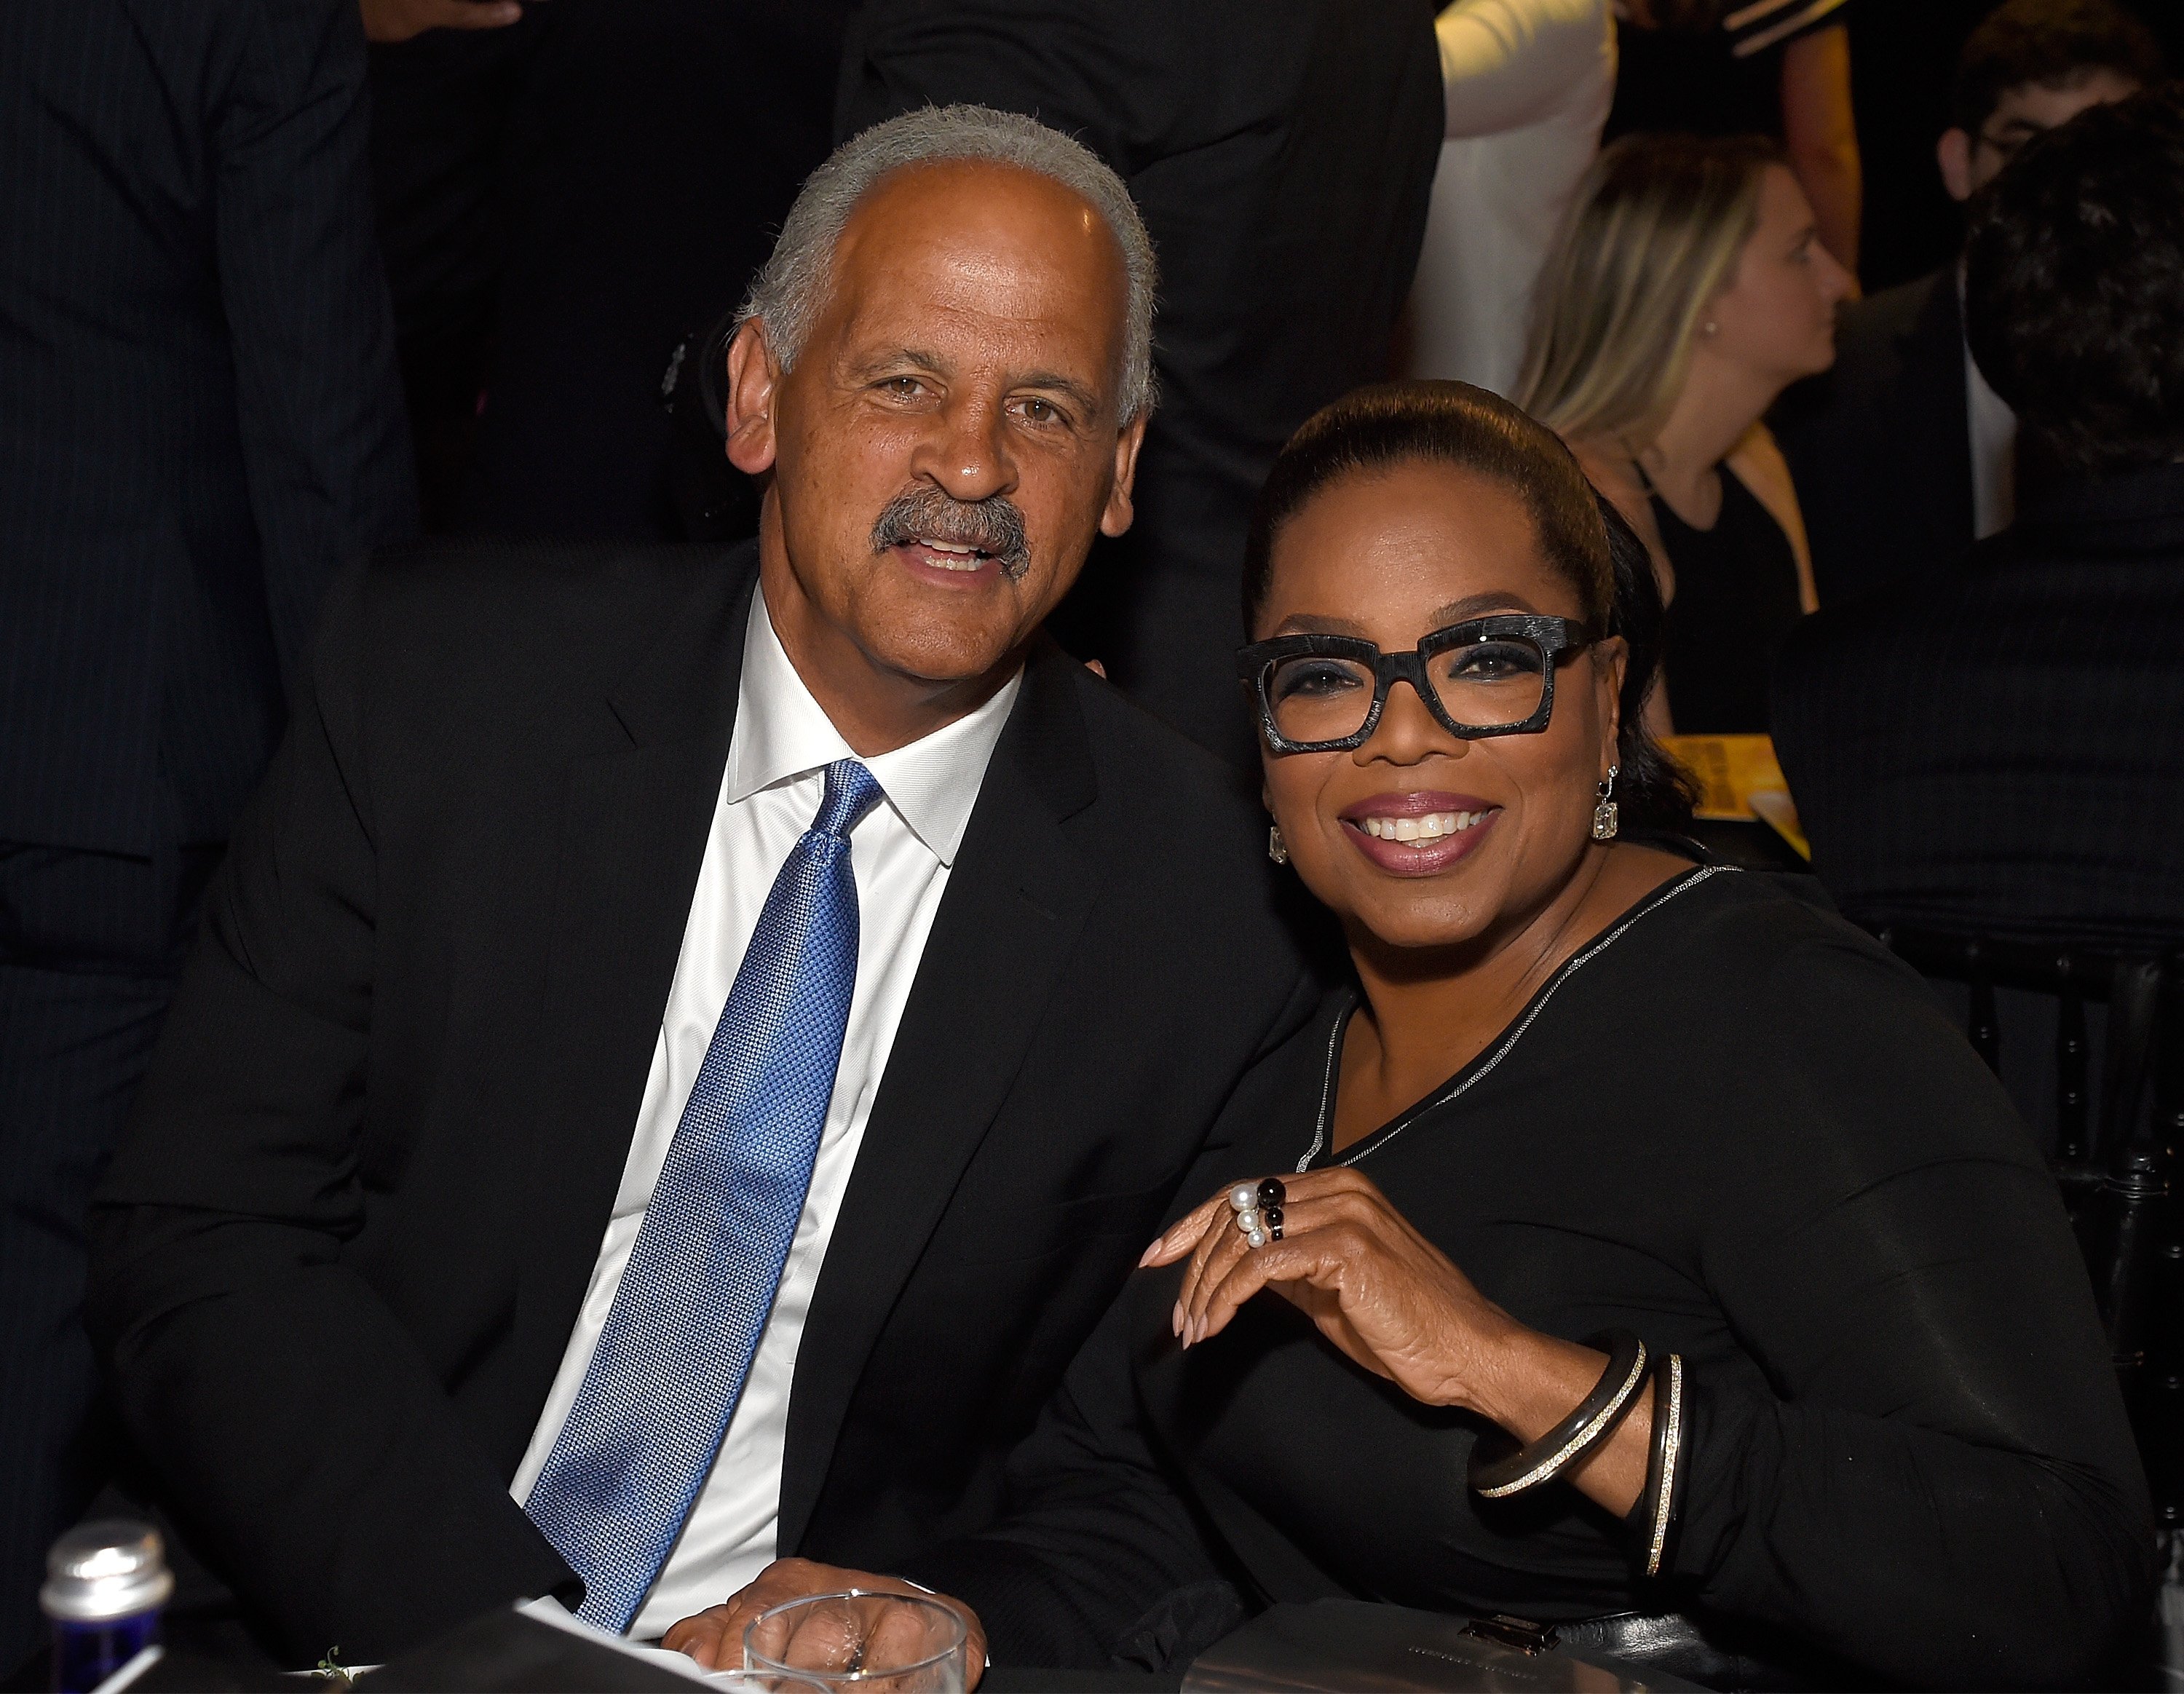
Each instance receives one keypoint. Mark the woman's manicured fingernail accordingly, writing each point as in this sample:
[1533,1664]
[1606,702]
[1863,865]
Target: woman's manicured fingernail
[1146,1257]
[1175,1318]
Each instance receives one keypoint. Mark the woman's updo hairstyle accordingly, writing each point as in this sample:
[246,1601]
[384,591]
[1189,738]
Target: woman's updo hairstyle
[1582,538]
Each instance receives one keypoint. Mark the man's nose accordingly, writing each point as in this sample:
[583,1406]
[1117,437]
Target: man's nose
[967,454]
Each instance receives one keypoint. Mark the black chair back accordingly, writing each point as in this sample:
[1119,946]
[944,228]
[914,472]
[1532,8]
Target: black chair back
[2115,1157]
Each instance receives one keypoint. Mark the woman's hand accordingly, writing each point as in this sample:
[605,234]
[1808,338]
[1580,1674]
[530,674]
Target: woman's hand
[1393,1302]
[1348,1260]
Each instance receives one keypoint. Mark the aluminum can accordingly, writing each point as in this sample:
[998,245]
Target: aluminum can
[105,1585]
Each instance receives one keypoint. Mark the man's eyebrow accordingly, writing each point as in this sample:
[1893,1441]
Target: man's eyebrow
[1055,382]
[895,358]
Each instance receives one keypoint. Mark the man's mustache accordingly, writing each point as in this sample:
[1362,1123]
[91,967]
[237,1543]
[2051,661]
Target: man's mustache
[993,526]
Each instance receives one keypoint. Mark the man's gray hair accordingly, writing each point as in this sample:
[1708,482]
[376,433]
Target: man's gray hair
[789,294]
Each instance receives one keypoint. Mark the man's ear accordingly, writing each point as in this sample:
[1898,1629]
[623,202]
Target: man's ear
[754,385]
[1121,512]
[1953,154]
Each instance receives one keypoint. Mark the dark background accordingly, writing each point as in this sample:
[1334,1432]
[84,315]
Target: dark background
[1903,52]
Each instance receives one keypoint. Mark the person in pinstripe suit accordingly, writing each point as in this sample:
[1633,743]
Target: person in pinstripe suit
[199,422]
[2004,749]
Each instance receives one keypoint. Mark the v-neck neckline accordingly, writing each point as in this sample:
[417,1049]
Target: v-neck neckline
[1318,1156]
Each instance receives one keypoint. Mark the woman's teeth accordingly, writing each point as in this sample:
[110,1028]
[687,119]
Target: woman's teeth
[1430,827]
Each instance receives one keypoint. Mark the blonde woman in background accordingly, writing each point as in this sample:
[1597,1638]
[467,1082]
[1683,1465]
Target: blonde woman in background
[1687,290]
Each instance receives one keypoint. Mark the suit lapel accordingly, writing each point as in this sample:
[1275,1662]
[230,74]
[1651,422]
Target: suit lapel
[1016,899]
[633,832]
[1933,352]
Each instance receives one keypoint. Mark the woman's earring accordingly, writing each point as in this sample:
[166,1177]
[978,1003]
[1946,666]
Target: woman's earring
[1277,848]
[1604,810]
[1709,327]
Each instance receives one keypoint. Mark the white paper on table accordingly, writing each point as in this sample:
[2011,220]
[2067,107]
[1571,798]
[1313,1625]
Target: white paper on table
[546,1609]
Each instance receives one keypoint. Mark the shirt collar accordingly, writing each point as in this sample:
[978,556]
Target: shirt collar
[782,734]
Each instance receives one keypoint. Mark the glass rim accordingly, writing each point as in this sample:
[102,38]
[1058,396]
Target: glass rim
[961,1642]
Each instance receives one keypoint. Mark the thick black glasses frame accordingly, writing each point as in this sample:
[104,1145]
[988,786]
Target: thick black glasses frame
[1553,636]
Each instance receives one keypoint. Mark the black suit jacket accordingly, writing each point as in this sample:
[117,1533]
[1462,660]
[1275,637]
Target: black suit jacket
[2004,749]
[200,417]
[1880,446]
[337,1261]
[1282,154]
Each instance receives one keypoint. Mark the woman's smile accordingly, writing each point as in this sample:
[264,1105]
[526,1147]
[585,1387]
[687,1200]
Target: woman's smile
[1419,833]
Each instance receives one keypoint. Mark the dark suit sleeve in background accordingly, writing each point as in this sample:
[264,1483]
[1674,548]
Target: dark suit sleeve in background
[325,444]
[310,1451]
[1281,153]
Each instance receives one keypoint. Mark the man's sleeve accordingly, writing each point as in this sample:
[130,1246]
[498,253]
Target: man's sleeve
[1507,64]
[307,1451]
[1098,1563]
[325,439]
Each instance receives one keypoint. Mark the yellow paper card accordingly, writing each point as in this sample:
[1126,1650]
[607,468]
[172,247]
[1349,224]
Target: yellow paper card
[1740,780]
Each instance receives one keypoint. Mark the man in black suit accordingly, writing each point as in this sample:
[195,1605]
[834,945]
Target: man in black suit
[199,422]
[2003,748]
[1283,152]
[383,1212]
[1903,454]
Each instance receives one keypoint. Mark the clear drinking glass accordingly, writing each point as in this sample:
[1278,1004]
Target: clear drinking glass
[897,1643]
[764,1682]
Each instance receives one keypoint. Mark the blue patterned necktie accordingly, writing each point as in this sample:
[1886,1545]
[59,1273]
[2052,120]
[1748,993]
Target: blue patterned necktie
[639,1442]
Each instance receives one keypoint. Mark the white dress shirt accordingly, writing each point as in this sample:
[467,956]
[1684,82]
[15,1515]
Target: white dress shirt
[1993,429]
[900,852]
[1526,86]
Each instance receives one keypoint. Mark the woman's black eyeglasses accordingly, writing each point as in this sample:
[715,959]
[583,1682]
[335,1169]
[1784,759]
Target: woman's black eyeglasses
[1486,676]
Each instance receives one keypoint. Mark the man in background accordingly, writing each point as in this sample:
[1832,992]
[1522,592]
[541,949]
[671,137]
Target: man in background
[1282,152]
[1996,748]
[565,189]
[199,422]
[1527,84]
[1904,454]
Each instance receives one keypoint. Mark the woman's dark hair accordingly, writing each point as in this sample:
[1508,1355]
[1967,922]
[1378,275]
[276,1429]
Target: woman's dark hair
[2074,286]
[1582,537]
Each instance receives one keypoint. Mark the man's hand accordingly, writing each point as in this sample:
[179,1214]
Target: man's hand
[396,20]
[715,1637]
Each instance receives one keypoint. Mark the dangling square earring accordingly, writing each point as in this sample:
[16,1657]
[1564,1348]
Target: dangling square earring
[1277,848]
[1604,810]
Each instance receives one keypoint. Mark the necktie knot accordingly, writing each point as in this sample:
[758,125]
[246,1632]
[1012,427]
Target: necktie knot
[851,792]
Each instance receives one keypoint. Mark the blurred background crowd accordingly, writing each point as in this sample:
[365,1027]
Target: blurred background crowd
[282,282]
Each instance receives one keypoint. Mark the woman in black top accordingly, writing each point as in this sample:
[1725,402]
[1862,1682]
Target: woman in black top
[1580,1085]
[1686,291]
[1736,602]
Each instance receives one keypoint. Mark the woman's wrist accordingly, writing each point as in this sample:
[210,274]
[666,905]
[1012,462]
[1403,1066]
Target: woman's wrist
[1481,1353]
[1526,1382]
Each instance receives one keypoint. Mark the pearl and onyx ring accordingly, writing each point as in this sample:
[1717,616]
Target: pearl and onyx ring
[1258,1209]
